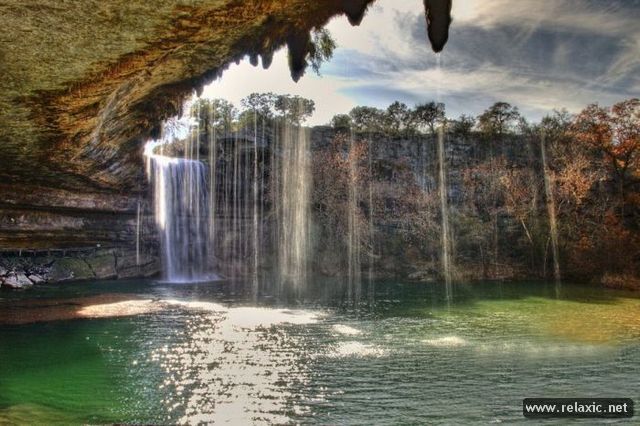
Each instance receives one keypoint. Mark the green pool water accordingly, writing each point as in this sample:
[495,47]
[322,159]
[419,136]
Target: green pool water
[206,353]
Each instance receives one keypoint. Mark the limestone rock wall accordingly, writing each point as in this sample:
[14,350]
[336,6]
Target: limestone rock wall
[23,269]
[85,83]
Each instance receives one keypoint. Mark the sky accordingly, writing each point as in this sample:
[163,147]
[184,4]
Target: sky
[538,55]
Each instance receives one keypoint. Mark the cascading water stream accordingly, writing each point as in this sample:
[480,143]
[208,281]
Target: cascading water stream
[180,195]
[213,181]
[354,262]
[551,211]
[181,200]
[444,212]
[443,190]
[256,212]
[372,248]
[138,225]
[293,190]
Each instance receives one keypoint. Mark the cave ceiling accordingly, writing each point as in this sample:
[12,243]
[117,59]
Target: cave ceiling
[85,82]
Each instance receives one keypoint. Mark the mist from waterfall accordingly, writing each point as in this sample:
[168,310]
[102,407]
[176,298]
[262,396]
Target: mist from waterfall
[138,224]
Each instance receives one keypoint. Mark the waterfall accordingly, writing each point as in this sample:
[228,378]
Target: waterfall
[443,189]
[551,211]
[180,198]
[292,195]
[181,202]
[354,263]
[235,213]
[213,179]
[138,219]
[371,230]
[256,212]
[444,212]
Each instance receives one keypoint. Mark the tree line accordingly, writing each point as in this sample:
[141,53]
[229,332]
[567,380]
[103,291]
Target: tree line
[500,211]
[593,174]
[398,119]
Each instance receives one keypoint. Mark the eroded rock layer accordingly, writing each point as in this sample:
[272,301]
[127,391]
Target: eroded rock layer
[85,83]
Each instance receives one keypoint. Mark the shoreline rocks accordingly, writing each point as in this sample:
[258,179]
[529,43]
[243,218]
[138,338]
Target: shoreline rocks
[16,281]
[22,272]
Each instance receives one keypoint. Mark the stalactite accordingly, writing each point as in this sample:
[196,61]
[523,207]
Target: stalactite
[253,59]
[267,59]
[438,15]
[355,10]
[298,44]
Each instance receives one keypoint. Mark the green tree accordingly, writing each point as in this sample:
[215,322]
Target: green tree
[260,103]
[463,126]
[429,115]
[257,108]
[364,118]
[498,119]
[215,113]
[309,48]
[294,109]
[321,49]
[398,118]
[341,122]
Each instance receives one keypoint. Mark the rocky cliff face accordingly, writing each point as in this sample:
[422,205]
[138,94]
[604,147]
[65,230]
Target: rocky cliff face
[398,205]
[86,83]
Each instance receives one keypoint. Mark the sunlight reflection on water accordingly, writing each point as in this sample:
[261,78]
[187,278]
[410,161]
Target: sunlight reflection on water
[188,355]
[239,365]
[356,349]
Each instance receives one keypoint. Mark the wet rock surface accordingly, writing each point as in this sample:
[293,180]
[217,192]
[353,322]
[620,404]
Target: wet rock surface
[23,271]
[16,281]
[86,83]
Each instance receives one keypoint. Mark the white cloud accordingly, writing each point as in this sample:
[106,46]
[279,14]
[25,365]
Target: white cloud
[385,56]
[602,17]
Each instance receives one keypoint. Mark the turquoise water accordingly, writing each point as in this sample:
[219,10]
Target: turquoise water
[214,353]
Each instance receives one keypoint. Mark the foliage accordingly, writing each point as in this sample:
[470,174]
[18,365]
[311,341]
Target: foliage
[295,109]
[321,48]
[215,114]
[498,119]
[339,171]
[483,199]
[398,119]
[615,134]
[462,126]
[261,103]
[341,122]
[367,119]
[429,115]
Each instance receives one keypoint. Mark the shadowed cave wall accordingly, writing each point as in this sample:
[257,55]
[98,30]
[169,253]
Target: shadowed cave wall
[86,83]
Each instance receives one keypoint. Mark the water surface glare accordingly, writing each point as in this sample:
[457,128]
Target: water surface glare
[147,352]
